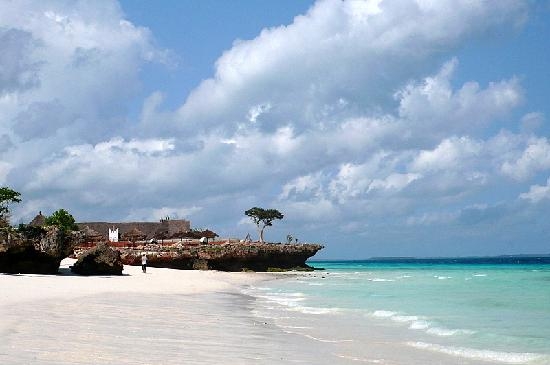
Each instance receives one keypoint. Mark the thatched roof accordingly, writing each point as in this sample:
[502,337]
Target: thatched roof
[209,234]
[134,235]
[38,221]
[180,234]
[91,234]
[199,234]
[135,232]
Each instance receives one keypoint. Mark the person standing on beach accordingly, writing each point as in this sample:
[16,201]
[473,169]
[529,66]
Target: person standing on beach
[143,262]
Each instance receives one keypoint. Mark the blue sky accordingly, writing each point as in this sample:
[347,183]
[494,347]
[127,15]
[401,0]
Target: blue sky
[197,32]
[379,128]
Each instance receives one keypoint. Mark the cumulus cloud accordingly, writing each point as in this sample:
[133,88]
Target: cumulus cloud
[382,42]
[535,158]
[537,193]
[68,66]
[433,107]
[95,167]
[349,117]
[448,154]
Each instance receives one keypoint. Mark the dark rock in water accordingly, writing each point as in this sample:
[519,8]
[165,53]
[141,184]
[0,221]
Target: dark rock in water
[100,260]
[39,254]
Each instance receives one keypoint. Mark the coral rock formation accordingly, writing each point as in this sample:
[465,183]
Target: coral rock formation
[41,254]
[226,257]
[100,260]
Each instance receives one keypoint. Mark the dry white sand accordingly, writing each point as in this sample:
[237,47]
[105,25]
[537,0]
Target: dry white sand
[25,288]
[162,317]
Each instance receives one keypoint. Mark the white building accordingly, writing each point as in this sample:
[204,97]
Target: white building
[113,234]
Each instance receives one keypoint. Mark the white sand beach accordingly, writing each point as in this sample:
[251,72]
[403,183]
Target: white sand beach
[25,288]
[162,317]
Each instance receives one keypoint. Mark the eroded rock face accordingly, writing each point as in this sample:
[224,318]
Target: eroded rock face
[41,254]
[226,257]
[100,260]
[58,243]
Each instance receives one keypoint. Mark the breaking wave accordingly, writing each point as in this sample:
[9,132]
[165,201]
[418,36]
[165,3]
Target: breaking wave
[484,355]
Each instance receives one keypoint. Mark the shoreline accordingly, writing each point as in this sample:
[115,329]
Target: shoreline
[166,316]
[170,316]
[160,317]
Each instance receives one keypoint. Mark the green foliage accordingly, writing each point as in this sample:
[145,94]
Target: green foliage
[62,219]
[263,218]
[30,232]
[7,197]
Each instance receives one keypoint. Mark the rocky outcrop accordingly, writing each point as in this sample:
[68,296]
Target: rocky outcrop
[226,257]
[39,253]
[100,260]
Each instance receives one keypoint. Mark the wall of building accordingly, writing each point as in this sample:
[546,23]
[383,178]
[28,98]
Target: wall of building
[150,229]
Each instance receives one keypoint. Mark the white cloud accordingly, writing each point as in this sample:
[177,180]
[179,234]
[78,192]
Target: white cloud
[449,154]
[97,166]
[309,185]
[319,211]
[532,121]
[256,111]
[70,68]
[383,42]
[537,193]
[154,214]
[346,118]
[375,176]
[394,182]
[434,107]
[535,158]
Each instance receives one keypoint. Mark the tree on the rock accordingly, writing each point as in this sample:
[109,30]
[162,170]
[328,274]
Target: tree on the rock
[30,232]
[7,197]
[263,218]
[62,219]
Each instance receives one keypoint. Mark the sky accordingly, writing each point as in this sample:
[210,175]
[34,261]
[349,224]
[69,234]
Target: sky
[378,128]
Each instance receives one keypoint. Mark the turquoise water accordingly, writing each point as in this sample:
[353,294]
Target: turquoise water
[477,312]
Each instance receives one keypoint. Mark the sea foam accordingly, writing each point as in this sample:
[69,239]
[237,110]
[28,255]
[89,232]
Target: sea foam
[476,354]
[420,323]
[383,314]
[291,302]
[379,280]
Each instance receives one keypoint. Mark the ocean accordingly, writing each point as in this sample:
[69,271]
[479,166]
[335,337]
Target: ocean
[439,311]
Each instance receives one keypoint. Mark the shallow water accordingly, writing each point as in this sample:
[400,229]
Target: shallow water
[416,312]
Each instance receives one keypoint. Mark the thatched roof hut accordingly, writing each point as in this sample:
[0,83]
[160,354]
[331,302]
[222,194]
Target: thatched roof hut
[38,221]
[91,235]
[209,234]
[134,235]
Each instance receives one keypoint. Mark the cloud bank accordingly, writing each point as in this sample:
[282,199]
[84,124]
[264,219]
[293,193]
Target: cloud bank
[348,120]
